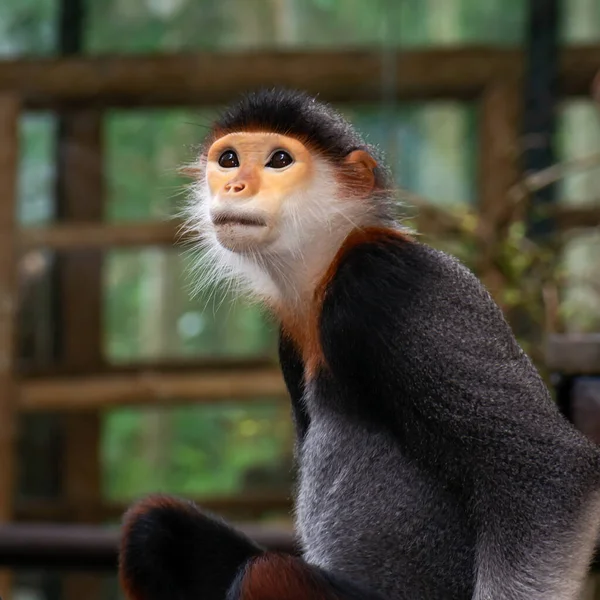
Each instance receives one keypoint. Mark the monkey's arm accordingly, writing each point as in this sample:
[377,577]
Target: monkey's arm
[423,351]
[293,373]
[171,549]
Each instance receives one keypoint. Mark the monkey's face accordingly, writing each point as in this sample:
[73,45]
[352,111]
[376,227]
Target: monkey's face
[280,183]
[255,182]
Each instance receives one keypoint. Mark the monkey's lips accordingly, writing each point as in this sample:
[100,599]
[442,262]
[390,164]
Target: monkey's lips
[240,231]
[225,218]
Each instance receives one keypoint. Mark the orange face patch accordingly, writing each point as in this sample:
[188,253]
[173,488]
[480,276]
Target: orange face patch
[254,168]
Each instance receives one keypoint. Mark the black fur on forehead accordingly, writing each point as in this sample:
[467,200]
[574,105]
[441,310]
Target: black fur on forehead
[294,113]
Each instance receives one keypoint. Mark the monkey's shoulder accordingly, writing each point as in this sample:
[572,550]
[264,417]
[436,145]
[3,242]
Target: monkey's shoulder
[390,271]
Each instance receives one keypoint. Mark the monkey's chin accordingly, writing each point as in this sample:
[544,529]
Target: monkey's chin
[244,239]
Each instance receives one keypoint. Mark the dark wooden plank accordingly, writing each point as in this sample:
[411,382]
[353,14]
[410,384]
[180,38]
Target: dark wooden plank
[429,219]
[9,153]
[80,198]
[89,547]
[498,173]
[573,354]
[249,505]
[197,366]
[540,102]
[93,393]
[206,78]
[86,235]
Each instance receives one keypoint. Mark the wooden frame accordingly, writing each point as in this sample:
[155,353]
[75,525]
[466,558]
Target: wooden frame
[488,76]
[573,354]
[75,547]
[9,151]
[208,78]
[247,506]
[88,392]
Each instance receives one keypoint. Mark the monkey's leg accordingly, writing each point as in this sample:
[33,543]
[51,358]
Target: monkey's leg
[171,550]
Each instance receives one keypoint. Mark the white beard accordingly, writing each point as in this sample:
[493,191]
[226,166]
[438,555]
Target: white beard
[313,224]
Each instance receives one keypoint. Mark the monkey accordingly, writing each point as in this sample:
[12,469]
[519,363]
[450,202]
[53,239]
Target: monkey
[170,548]
[432,461]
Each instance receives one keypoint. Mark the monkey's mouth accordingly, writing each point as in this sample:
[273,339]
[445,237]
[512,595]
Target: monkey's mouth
[237,219]
[240,231]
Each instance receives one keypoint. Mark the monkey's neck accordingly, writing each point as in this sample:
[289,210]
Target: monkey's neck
[296,273]
[298,309]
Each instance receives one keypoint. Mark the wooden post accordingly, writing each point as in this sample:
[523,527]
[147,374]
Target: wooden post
[498,173]
[80,192]
[540,101]
[9,152]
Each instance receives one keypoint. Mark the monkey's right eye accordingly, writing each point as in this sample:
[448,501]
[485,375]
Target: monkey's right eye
[229,160]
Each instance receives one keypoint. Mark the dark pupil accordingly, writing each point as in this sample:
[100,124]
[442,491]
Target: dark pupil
[229,160]
[280,159]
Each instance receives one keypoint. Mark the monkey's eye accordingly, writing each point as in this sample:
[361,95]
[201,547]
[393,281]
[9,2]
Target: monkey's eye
[229,160]
[280,159]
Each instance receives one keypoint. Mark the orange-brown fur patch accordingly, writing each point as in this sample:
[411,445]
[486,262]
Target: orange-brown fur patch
[304,328]
[358,173]
[277,577]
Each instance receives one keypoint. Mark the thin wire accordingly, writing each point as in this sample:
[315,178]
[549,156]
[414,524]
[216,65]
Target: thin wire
[389,80]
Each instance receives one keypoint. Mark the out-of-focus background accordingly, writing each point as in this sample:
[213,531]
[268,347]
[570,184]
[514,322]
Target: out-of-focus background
[115,380]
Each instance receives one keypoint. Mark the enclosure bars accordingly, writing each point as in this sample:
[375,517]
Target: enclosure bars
[77,287]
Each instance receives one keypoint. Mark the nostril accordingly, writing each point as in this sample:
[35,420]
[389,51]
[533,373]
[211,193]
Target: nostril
[235,187]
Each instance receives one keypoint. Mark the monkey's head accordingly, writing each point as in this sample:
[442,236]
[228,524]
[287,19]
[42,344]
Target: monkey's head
[282,178]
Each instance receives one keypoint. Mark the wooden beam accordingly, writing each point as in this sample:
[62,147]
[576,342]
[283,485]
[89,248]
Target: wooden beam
[205,78]
[210,364]
[569,218]
[88,547]
[74,236]
[245,506]
[429,219]
[540,100]
[9,156]
[498,173]
[573,354]
[80,193]
[80,197]
[109,391]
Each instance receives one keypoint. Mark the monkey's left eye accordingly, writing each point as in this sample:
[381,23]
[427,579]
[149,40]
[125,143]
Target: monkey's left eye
[229,160]
[280,159]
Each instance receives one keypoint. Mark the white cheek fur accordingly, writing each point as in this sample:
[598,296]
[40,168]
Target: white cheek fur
[312,226]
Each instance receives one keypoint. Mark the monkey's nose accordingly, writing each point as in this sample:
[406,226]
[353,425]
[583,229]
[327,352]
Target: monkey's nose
[235,187]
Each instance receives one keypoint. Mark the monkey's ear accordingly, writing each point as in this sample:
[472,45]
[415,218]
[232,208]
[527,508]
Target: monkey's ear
[171,549]
[361,170]
[192,171]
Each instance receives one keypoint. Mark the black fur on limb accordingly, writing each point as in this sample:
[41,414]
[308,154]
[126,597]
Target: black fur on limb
[171,549]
